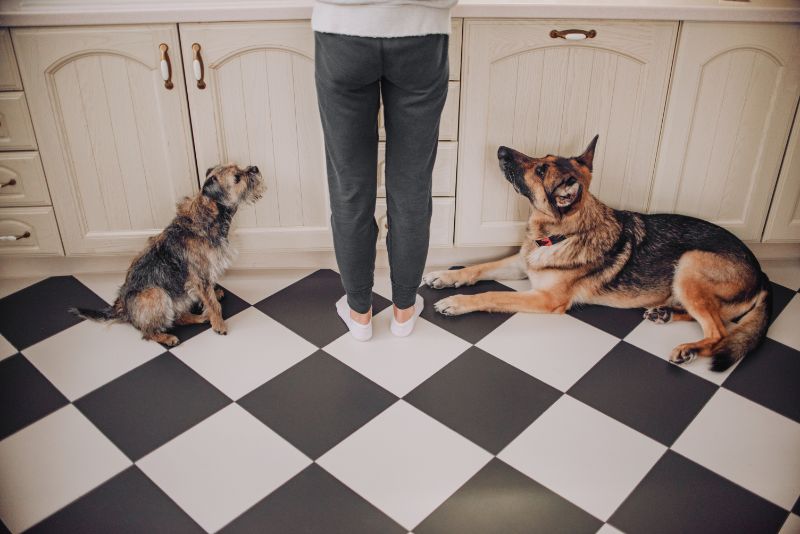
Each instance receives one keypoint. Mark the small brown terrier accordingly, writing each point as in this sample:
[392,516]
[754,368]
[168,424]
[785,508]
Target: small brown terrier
[181,265]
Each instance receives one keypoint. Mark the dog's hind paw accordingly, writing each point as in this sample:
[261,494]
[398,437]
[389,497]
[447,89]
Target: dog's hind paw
[683,354]
[451,306]
[659,315]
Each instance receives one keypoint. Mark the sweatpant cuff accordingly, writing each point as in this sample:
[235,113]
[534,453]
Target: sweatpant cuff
[360,301]
[403,297]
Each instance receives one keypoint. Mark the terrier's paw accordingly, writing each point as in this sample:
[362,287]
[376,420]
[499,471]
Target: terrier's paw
[683,354]
[455,305]
[171,340]
[441,279]
[220,328]
[659,315]
[219,293]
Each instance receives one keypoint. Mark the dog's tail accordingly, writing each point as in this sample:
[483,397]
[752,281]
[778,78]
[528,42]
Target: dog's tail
[748,333]
[109,313]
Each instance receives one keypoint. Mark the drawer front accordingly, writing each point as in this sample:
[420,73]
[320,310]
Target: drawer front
[29,231]
[444,170]
[454,50]
[16,130]
[448,128]
[442,221]
[22,180]
[9,74]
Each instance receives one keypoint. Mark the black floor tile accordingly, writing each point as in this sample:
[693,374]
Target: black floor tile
[643,391]
[311,502]
[128,503]
[148,406]
[796,507]
[780,298]
[25,395]
[618,322]
[501,499]
[40,310]
[307,307]
[770,376]
[678,495]
[470,327]
[317,403]
[483,398]
[231,305]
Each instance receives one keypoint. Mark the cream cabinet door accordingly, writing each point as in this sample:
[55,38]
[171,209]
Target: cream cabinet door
[733,96]
[258,107]
[546,95]
[783,224]
[114,141]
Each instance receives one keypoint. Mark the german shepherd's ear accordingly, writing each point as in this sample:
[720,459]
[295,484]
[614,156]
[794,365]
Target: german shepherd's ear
[212,189]
[588,155]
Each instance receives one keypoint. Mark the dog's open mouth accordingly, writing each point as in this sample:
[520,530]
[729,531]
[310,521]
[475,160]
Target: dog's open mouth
[565,200]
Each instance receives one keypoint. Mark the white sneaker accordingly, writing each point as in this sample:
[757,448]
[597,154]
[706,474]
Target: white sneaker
[405,328]
[361,332]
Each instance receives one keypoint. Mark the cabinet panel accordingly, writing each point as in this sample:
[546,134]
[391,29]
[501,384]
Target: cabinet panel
[16,130]
[542,95]
[733,96]
[22,180]
[783,224]
[9,75]
[113,139]
[259,107]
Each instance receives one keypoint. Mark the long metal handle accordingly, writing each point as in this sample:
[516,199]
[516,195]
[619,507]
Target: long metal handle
[15,237]
[197,66]
[573,35]
[166,66]
[11,182]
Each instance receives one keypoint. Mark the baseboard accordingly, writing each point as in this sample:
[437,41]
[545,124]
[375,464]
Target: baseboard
[16,267]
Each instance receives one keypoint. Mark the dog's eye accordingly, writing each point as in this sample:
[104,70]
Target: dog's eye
[540,170]
[571,181]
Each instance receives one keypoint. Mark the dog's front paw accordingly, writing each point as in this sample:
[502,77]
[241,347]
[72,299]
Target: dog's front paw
[455,305]
[440,279]
[220,328]
[683,354]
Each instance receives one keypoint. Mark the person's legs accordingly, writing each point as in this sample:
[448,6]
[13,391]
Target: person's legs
[414,89]
[348,71]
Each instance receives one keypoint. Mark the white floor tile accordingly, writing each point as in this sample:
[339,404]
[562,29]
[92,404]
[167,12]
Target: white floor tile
[222,466]
[105,285]
[786,327]
[608,529]
[254,286]
[583,455]
[12,285]
[6,349]
[791,526]
[660,339]
[88,355]
[556,349]
[746,443]
[405,463]
[256,349]
[398,364]
[783,272]
[48,464]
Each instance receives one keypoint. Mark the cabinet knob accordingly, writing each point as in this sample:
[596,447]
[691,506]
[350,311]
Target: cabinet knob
[197,66]
[166,66]
[573,35]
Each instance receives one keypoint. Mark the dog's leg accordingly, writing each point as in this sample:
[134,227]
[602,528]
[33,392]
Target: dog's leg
[191,318]
[697,295]
[161,337]
[510,268]
[212,309]
[504,301]
[666,314]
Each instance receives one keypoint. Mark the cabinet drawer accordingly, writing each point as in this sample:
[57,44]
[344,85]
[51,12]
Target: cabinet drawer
[448,128]
[442,221]
[16,130]
[444,170]
[22,180]
[40,226]
[9,74]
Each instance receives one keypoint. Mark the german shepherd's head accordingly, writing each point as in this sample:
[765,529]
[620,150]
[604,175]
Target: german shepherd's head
[554,185]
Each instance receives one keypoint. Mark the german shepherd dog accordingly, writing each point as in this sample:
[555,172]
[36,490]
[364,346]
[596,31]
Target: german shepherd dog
[181,265]
[578,250]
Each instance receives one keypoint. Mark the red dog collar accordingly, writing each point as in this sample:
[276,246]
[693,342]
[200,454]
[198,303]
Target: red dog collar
[550,240]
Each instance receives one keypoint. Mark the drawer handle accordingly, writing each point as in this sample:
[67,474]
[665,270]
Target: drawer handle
[15,237]
[573,35]
[197,66]
[166,66]
[9,183]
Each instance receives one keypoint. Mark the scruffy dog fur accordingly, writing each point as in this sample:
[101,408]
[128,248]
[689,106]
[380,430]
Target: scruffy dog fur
[678,268]
[180,265]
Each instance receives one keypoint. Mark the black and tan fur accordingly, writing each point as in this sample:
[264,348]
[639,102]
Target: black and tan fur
[679,268]
[181,265]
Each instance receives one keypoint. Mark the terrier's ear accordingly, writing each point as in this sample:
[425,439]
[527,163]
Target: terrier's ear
[209,171]
[588,155]
[212,189]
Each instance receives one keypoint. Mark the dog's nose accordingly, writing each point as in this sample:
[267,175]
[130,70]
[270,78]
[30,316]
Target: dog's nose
[503,152]
[253,169]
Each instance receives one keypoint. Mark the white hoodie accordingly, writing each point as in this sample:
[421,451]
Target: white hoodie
[382,18]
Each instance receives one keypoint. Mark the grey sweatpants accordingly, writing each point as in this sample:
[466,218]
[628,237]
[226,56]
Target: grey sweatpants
[352,74]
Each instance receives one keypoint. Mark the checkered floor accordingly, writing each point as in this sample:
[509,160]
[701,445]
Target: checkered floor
[485,423]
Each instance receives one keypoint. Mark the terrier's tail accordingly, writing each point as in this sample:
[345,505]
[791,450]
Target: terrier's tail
[109,313]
